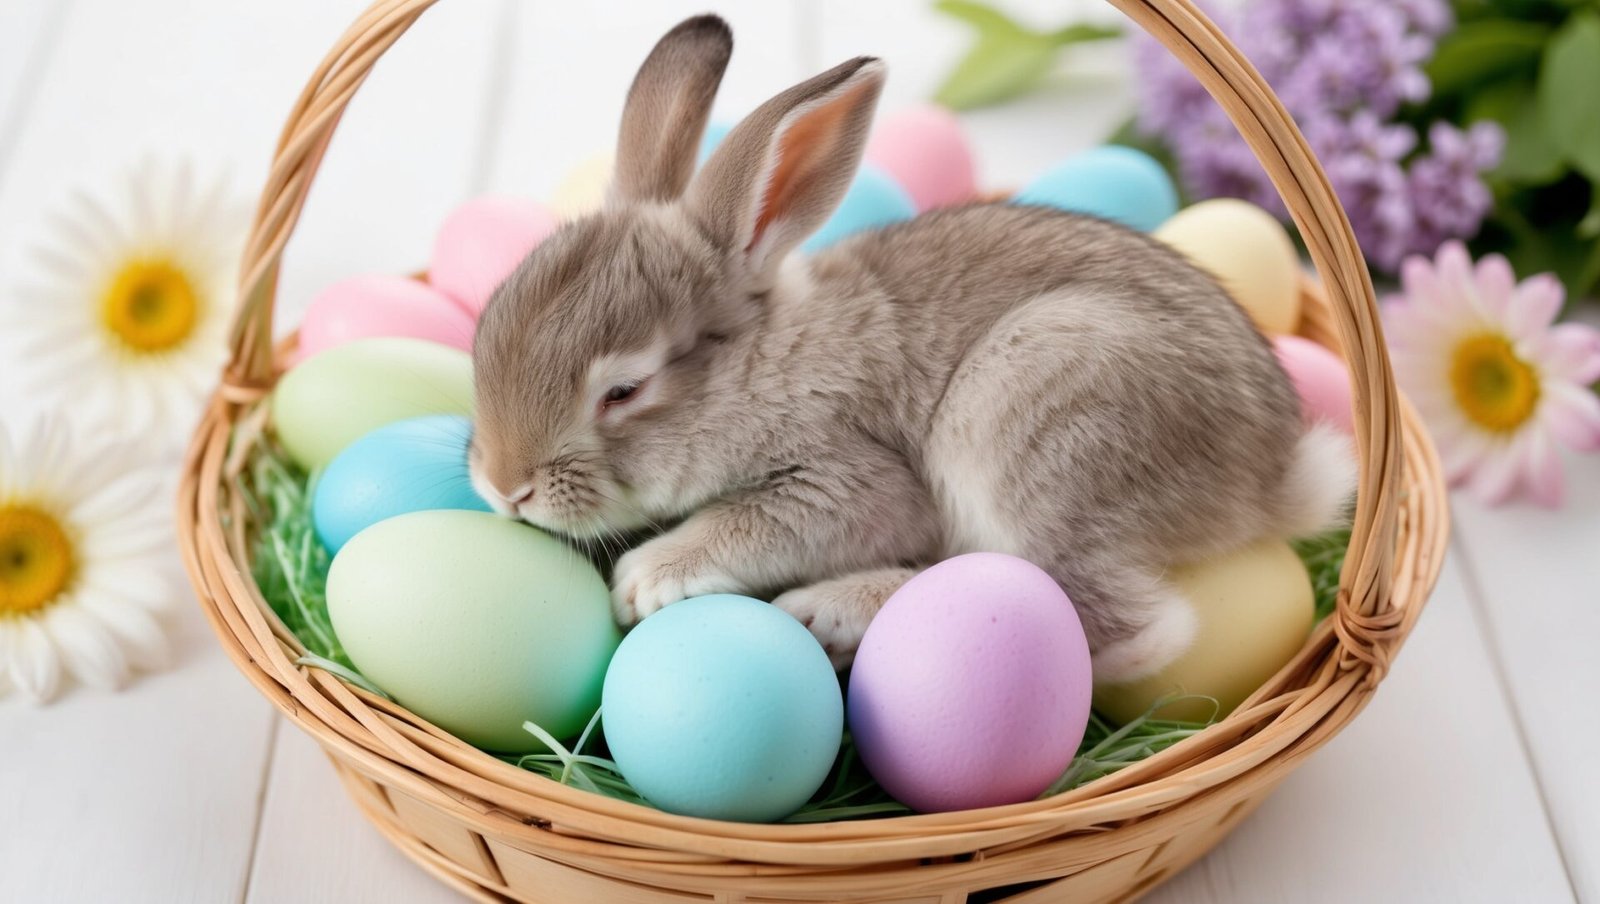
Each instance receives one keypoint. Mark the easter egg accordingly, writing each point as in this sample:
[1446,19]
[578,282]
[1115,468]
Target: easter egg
[924,150]
[583,191]
[971,687]
[1321,379]
[481,242]
[407,466]
[724,707]
[476,623]
[1112,182]
[1254,609]
[379,305]
[332,399]
[1248,252]
[873,201]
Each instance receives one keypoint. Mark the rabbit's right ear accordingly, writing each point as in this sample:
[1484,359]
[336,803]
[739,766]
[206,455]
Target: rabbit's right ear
[667,109]
[780,173]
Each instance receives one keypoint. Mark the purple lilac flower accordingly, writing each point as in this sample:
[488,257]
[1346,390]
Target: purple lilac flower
[1343,69]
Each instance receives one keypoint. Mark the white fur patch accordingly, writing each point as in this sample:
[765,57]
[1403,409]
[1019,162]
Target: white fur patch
[1321,481]
[1164,638]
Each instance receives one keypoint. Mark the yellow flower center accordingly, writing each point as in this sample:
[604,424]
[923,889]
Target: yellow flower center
[35,560]
[1496,389]
[151,306]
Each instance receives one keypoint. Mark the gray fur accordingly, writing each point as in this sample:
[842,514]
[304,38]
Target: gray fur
[992,377]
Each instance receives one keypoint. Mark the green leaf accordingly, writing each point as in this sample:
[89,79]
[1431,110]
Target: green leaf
[1484,50]
[1569,92]
[1008,59]
[1531,156]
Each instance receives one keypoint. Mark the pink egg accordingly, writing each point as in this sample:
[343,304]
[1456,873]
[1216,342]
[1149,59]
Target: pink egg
[380,305]
[481,242]
[1322,380]
[971,687]
[924,149]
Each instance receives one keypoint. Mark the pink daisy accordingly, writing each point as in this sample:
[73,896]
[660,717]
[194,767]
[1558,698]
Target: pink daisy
[1497,380]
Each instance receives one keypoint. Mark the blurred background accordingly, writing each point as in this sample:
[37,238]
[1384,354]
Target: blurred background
[1469,779]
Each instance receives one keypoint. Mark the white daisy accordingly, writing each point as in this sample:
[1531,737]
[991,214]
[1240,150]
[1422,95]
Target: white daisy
[82,537]
[129,303]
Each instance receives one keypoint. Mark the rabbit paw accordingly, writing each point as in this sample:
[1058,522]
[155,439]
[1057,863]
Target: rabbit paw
[661,573]
[835,616]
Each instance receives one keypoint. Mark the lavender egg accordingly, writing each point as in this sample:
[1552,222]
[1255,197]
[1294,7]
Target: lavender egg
[971,687]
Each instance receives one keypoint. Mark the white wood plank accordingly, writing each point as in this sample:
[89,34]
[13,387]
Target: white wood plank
[316,847]
[573,62]
[1538,574]
[148,795]
[29,32]
[1425,797]
[1078,107]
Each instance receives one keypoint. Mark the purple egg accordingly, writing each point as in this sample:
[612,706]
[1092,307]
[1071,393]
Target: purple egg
[972,685]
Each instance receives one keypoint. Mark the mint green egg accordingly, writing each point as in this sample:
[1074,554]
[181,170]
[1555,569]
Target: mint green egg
[335,397]
[476,623]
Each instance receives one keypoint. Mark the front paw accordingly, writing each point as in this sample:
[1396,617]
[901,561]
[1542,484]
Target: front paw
[834,616]
[661,573]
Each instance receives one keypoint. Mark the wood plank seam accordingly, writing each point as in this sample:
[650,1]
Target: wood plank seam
[262,785]
[1486,630]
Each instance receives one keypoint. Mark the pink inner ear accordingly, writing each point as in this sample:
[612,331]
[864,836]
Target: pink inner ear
[803,149]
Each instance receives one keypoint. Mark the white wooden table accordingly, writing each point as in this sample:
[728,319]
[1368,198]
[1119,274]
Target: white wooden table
[1470,778]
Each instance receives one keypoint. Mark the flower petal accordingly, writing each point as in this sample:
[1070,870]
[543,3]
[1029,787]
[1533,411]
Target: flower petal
[34,665]
[136,629]
[1496,476]
[90,651]
[1573,416]
[1544,477]
[1496,284]
[1571,352]
[1534,307]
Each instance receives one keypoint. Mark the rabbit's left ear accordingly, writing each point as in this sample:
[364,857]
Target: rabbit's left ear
[667,110]
[781,172]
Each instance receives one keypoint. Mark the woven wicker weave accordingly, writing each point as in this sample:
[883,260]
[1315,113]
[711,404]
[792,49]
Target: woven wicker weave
[500,833]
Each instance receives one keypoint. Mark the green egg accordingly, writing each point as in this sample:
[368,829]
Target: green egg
[476,623]
[335,397]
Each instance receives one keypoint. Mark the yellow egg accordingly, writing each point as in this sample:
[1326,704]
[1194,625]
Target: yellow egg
[1250,254]
[584,188]
[1255,608]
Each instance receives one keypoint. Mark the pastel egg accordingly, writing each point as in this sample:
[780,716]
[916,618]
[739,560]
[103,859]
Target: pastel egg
[1322,380]
[583,191]
[873,201]
[925,151]
[723,707]
[378,305]
[1249,253]
[1254,607]
[971,687]
[332,399]
[476,623]
[1112,182]
[481,242]
[407,466]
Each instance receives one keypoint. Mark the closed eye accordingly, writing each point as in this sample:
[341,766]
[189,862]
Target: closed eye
[620,394]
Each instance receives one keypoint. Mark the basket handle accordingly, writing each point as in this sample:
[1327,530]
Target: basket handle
[1366,621]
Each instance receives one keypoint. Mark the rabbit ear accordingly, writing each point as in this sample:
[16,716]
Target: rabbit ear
[667,110]
[780,173]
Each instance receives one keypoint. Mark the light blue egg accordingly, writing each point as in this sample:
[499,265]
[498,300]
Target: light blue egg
[412,465]
[874,200]
[715,132]
[1115,183]
[723,707]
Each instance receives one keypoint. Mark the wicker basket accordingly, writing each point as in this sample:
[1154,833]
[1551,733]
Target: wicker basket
[499,833]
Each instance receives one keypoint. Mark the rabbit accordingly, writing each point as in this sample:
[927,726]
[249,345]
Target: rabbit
[989,377]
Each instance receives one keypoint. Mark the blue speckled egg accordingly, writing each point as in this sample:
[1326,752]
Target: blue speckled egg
[874,200]
[1112,182]
[723,707]
[412,465]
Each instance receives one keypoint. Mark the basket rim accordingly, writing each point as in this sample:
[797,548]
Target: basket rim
[1252,743]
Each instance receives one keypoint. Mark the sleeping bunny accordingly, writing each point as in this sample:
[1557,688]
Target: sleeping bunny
[984,378]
